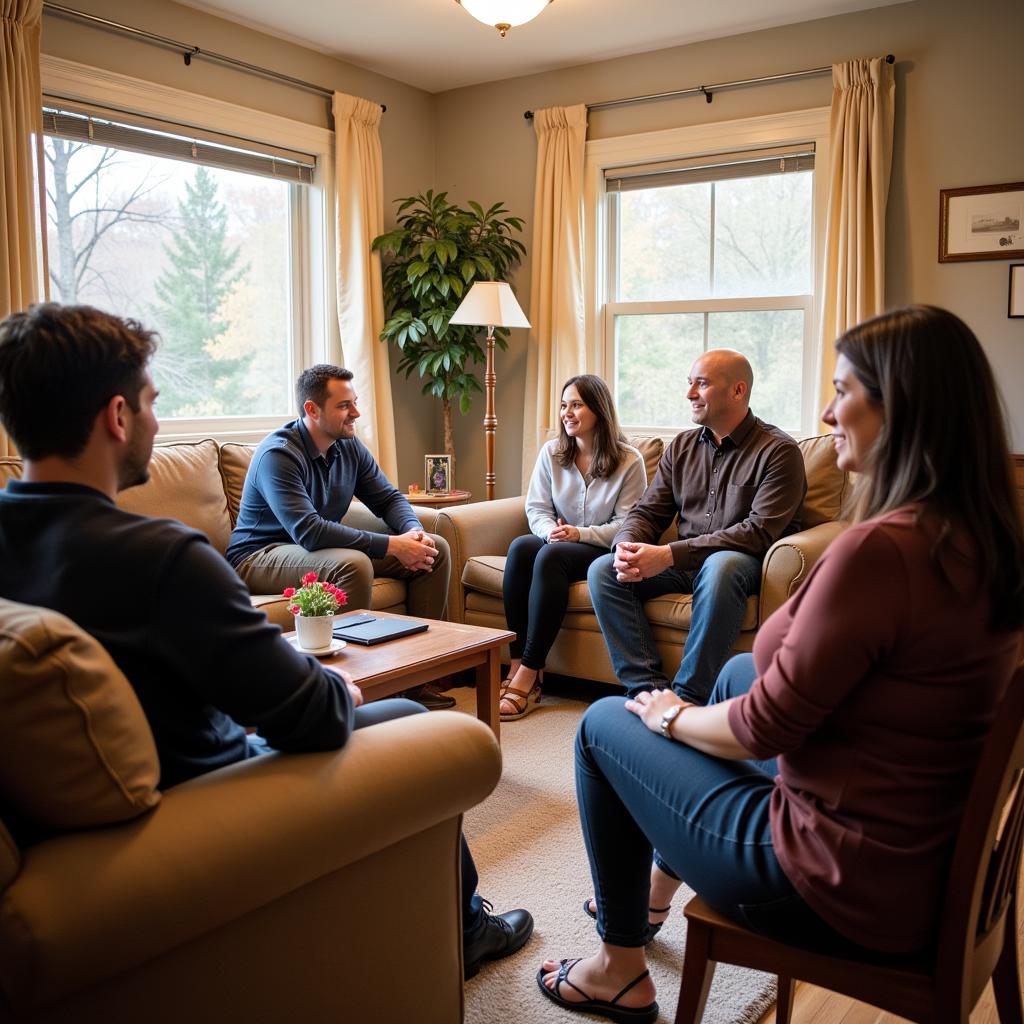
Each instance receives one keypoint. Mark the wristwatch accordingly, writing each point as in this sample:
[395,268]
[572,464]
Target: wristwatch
[668,718]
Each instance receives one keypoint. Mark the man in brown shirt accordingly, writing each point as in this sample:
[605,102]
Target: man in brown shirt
[736,485]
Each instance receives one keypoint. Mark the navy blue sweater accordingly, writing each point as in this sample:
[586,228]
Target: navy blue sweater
[177,621]
[293,494]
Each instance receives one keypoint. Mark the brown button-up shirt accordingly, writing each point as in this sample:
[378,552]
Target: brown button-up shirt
[741,495]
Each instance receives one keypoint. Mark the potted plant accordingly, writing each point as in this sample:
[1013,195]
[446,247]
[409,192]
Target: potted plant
[437,251]
[314,606]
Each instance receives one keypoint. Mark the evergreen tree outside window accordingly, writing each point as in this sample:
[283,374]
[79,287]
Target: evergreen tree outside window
[200,251]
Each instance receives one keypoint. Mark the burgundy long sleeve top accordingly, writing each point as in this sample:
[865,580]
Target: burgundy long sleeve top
[876,686]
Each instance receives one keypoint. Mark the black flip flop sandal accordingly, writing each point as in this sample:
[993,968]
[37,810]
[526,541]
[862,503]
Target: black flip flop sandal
[602,1007]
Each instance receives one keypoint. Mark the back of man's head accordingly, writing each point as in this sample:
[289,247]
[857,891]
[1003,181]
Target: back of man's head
[59,366]
[313,383]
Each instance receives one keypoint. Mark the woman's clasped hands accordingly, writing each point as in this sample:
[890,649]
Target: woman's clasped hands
[649,706]
[563,532]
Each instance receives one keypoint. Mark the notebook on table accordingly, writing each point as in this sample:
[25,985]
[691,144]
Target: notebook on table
[369,630]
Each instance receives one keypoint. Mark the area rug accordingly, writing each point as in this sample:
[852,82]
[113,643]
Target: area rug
[529,850]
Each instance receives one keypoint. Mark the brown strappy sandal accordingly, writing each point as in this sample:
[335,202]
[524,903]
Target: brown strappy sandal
[522,703]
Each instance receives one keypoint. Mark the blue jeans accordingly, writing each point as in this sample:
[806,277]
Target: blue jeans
[707,817]
[385,711]
[720,588]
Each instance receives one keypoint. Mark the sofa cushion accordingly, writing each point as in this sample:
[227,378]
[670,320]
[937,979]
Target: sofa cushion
[652,449]
[75,748]
[184,484]
[827,484]
[10,469]
[234,464]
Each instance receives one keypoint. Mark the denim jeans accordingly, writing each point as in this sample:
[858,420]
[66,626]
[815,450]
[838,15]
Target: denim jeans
[720,588]
[385,711]
[707,817]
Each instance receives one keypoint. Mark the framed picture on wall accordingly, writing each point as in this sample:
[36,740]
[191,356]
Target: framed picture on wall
[438,472]
[1016,291]
[981,223]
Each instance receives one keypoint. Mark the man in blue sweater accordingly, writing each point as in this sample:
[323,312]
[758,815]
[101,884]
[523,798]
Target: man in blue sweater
[300,484]
[77,398]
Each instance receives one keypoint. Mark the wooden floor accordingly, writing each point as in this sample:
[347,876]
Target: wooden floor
[817,1006]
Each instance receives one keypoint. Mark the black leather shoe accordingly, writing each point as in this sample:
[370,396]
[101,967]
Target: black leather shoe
[499,935]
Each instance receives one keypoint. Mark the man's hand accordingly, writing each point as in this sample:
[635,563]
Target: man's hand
[635,562]
[563,532]
[354,691]
[415,550]
[649,707]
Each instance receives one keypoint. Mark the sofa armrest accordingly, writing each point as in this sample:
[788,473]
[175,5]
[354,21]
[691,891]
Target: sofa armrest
[361,518]
[90,905]
[480,528]
[788,562]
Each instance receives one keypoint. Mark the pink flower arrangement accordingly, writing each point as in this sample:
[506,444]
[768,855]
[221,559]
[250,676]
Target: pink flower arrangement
[314,597]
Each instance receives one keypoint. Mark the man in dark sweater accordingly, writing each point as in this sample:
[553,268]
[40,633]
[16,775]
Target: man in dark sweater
[77,399]
[736,485]
[300,484]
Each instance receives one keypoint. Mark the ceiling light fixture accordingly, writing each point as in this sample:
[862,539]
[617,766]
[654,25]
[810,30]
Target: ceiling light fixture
[504,14]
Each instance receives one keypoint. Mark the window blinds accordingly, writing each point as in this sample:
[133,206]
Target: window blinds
[119,130]
[714,167]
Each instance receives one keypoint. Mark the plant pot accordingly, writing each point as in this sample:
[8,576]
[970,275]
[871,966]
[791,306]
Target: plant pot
[314,631]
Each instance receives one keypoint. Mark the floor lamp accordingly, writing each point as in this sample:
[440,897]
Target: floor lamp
[490,304]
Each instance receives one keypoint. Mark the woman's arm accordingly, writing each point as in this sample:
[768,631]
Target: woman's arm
[703,728]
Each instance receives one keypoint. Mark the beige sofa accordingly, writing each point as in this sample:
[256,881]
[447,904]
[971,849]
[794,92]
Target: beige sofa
[287,887]
[480,534]
[200,484]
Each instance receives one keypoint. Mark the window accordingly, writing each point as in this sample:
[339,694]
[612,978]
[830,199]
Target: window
[702,251]
[203,235]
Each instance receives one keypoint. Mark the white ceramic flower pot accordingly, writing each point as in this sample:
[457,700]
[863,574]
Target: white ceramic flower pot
[314,631]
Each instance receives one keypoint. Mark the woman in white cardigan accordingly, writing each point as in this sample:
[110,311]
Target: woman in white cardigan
[584,483]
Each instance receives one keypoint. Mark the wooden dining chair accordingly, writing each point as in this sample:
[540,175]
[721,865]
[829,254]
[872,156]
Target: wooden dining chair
[977,931]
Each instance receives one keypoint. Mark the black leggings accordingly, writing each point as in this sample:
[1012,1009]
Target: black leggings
[536,591]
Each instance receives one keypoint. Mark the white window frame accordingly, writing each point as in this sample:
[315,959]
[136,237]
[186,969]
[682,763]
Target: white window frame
[311,215]
[693,141]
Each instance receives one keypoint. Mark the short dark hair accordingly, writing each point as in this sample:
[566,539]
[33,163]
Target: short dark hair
[943,441]
[609,441]
[312,383]
[75,359]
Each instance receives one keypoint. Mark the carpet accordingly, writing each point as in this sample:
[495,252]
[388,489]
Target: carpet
[528,848]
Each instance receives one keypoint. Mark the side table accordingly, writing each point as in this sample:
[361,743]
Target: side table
[438,500]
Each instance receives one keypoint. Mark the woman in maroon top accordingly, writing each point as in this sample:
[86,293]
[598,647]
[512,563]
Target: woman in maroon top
[874,686]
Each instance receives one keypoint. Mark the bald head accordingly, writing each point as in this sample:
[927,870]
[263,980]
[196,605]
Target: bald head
[719,393]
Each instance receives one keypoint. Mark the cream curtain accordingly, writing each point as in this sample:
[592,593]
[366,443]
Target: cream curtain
[359,203]
[557,342]
[861,159]
[20,136]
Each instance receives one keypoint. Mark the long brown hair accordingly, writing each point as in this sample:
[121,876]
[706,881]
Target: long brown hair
[609,441]
[943,441]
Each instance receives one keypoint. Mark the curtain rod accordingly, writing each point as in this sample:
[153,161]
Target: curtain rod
[708,91]
[187,51]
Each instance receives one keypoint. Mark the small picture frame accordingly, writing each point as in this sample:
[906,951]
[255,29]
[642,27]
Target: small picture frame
[1016,303]
[984,222]
[438,474]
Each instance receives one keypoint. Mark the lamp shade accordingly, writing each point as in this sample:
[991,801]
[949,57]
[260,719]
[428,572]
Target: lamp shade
[504,14]
[490,304]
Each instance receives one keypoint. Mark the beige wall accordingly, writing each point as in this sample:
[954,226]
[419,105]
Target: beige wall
[959,100]
[959,95]
[406,129]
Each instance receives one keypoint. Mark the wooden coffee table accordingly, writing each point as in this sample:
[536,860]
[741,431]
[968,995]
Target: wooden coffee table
[445,648]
